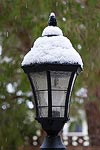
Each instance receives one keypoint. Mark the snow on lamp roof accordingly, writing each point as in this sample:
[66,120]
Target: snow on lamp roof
[52,47]
[52,30]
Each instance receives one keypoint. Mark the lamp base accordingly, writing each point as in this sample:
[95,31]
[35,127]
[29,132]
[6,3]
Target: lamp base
[52,143]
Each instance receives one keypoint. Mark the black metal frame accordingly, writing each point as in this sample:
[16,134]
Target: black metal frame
[56,66]
[49,95]
[52,125]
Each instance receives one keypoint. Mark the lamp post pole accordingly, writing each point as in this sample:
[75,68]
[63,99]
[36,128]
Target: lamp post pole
[52,66]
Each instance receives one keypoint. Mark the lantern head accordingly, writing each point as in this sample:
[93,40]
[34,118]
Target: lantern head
[52,66]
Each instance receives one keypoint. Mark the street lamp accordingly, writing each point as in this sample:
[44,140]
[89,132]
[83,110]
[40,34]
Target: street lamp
[52,66]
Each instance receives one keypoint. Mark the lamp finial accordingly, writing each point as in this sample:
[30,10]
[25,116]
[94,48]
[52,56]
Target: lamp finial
[52,20]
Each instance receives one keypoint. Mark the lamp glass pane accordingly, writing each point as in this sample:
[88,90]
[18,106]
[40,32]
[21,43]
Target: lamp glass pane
[39,80]
[72,84]
[59,84]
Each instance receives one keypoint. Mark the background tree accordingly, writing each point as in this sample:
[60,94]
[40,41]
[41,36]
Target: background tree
[21,22]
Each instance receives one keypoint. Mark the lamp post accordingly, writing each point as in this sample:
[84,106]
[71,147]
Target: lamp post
[52,66]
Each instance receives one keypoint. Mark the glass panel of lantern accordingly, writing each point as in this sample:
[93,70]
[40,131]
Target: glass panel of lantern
[74,75]
[39,80]
[59,86]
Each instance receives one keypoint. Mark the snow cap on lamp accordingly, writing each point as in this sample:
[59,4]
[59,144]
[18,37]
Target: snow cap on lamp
[52,47]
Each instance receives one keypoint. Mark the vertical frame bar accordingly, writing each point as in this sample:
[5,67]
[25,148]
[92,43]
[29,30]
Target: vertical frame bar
[49,94]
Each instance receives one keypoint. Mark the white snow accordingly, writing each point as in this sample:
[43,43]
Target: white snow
[52,49]
[0,50]
[82,92]
[52,30]
[52,14]
[30,104]
[6,59]
[10,88]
